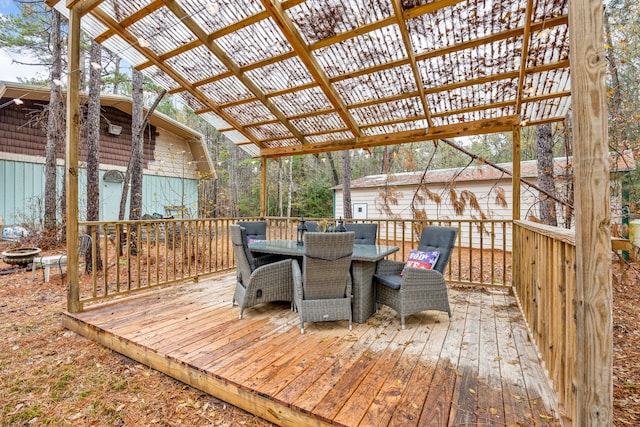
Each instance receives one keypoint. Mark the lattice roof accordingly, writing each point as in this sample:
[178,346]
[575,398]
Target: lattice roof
[293,77]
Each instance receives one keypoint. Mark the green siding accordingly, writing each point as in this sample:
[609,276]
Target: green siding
[159,192]
[22,193]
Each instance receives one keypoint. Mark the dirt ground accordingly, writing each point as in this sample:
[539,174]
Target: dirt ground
[51,376]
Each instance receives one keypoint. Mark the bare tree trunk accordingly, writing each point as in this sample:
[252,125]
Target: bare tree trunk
[346,184]
[334,171]
[385,160]
[544,145]
[116,81]
[55,133]
[136,139]
[135,198]
[568,151]
[93,156]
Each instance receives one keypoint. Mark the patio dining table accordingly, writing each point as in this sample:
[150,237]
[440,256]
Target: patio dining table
[363,267]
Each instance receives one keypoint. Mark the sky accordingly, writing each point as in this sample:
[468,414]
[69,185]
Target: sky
[10,71]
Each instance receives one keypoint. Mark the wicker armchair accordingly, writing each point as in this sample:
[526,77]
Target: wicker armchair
[257,284]
[417,290]
[365,233]
[323,292]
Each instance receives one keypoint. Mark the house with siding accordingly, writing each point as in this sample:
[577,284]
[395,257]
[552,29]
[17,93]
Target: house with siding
[174,159]
[445,194]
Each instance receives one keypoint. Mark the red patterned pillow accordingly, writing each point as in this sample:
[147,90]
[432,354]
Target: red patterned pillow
[420,259]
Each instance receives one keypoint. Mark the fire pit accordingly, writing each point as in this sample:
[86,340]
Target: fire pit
[20,256]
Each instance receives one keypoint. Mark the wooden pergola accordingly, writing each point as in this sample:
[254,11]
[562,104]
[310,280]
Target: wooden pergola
[282,78]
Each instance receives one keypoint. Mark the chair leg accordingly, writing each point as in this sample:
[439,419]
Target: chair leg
[402,322]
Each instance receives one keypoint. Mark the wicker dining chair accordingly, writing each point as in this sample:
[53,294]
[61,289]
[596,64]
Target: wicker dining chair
[322,291]
[258,284]
[410,290]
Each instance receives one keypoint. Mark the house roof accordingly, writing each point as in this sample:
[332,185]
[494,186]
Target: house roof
[618,162]
[194,139]
[305,76]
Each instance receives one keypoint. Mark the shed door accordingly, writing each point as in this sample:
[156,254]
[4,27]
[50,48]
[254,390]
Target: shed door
[359,211]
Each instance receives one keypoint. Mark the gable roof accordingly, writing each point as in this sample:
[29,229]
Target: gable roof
[194,139]
[305,76]
[562,167]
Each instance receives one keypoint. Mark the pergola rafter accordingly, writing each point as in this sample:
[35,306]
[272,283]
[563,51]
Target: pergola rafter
[184,17]
[134,42]
[302,49]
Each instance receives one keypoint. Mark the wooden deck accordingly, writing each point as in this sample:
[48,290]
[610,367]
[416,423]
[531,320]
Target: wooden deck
[478,369]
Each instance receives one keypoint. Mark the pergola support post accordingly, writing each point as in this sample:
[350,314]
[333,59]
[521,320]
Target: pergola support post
[594,318]
[263,187]
[515,178]
[71,182]
[515,199]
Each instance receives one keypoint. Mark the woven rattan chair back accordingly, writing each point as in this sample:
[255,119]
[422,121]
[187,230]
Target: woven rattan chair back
[244,260]
[255,229]
[365,233]
[439,239]
[327,258]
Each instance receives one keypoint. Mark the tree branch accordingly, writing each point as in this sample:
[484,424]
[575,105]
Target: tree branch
[505,171]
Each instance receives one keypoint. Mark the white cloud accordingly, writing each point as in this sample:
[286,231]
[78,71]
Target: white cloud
[10,71]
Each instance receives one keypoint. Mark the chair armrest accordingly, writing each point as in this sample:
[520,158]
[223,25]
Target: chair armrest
[389,267]
[419,277]
[261,260]
[280,271]
[297,281]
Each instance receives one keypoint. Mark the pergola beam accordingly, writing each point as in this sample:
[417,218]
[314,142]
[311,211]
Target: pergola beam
[504,124]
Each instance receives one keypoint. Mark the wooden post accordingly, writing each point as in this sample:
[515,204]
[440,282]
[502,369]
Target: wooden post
[515,178]
[515,203]
[71,183]
[263,187]
[594,318]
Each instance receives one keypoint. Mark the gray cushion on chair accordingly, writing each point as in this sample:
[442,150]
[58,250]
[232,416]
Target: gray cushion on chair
[392,281]
[441,240]
[312,226]
[256,230]
[365,233]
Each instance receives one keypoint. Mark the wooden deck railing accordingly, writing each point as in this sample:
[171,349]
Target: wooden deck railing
[139,255]
[482,255]
[545,282]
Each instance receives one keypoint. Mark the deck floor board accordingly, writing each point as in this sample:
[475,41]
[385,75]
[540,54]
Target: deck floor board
[477,368]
